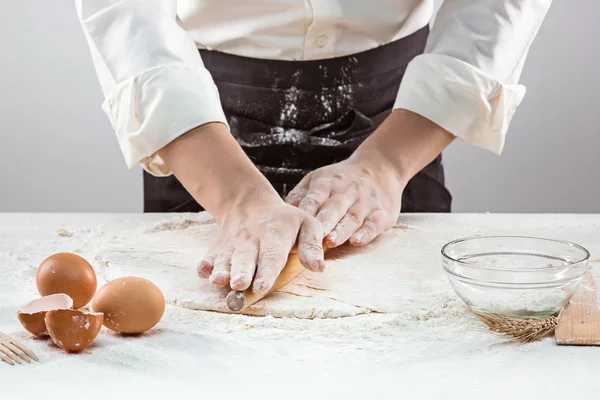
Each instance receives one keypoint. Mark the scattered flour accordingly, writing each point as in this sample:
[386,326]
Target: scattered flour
[330,100]
[179,223]
[429,348]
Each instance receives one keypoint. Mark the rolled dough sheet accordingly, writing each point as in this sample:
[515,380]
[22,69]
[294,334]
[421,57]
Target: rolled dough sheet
[357,280]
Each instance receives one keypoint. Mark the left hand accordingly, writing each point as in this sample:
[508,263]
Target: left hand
[359,198]
[354,200]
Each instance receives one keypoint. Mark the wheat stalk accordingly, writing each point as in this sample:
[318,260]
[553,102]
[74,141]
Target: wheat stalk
[523,330]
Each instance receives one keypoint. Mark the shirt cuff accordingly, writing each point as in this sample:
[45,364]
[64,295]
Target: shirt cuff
[467,102]
[155,107]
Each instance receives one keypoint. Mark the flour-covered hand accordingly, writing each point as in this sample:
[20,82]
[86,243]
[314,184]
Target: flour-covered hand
[359,198]
[257,229]
[354,200]
[254,242]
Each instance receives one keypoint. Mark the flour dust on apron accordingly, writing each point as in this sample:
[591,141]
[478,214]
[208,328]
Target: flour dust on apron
[292,117]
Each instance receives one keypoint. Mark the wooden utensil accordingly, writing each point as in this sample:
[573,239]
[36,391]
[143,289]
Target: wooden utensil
[579,322]
[12,352]
[237,301]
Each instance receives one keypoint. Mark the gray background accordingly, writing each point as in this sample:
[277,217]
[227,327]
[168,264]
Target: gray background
[58,151]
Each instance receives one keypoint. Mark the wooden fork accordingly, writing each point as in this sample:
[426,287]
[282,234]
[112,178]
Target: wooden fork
[13,352]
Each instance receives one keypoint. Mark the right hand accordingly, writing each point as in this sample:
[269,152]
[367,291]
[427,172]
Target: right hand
[257,229]
[254,241]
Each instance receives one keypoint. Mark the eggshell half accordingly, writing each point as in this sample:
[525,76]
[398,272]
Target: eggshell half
[67,273]
[73,330]
[130,305]
[31,315]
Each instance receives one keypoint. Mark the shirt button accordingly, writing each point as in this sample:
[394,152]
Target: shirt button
[322,41]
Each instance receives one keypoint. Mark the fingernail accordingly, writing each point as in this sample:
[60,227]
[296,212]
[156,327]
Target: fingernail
[261,286]
[203,270]
[357,238]
[219,278]
[332,236]
[318,266]
[238,279]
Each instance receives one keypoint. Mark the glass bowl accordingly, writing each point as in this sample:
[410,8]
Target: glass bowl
[514,276]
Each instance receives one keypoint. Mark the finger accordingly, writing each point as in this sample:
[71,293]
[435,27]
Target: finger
[295,197]
[222,267]
[26,350]
[315,197]
[17,351]
[6,359]
[243,265]
[310,248]
[297,194]
[9,354]
[205,267]
[271,260]
[333,210]
[349,224]
[375,223]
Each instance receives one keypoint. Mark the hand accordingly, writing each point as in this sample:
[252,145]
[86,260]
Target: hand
[255,241]
[359,198]
[353,199]
[257,229]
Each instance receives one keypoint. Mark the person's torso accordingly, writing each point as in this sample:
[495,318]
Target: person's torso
[300,29]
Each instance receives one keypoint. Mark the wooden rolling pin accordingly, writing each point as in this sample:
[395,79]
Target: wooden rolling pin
[237,301]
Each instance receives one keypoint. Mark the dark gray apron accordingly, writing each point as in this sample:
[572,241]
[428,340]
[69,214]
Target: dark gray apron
[292,117]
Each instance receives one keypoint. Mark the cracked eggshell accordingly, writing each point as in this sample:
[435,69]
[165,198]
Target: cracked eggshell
[67,273]
[130,305]
[31,315]
[73,330]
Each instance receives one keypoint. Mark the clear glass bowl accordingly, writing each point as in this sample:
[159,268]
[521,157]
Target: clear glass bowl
[514,276]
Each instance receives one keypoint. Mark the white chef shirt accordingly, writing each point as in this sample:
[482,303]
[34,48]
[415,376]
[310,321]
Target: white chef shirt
[156,87]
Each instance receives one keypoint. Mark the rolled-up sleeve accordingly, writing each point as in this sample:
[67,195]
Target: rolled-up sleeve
[155,85]
[467,80]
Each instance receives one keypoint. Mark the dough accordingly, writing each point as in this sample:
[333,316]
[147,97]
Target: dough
[357,280]
[398,273]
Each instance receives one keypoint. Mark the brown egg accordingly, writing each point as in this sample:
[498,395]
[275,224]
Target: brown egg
[32,314]
[67,273]
[130,305]
[73,330]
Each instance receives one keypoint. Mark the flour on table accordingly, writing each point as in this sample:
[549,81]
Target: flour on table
[357,280]
[368,280]
[424,334]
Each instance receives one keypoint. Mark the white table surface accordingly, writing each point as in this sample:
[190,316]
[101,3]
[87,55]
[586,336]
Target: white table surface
[430,353]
